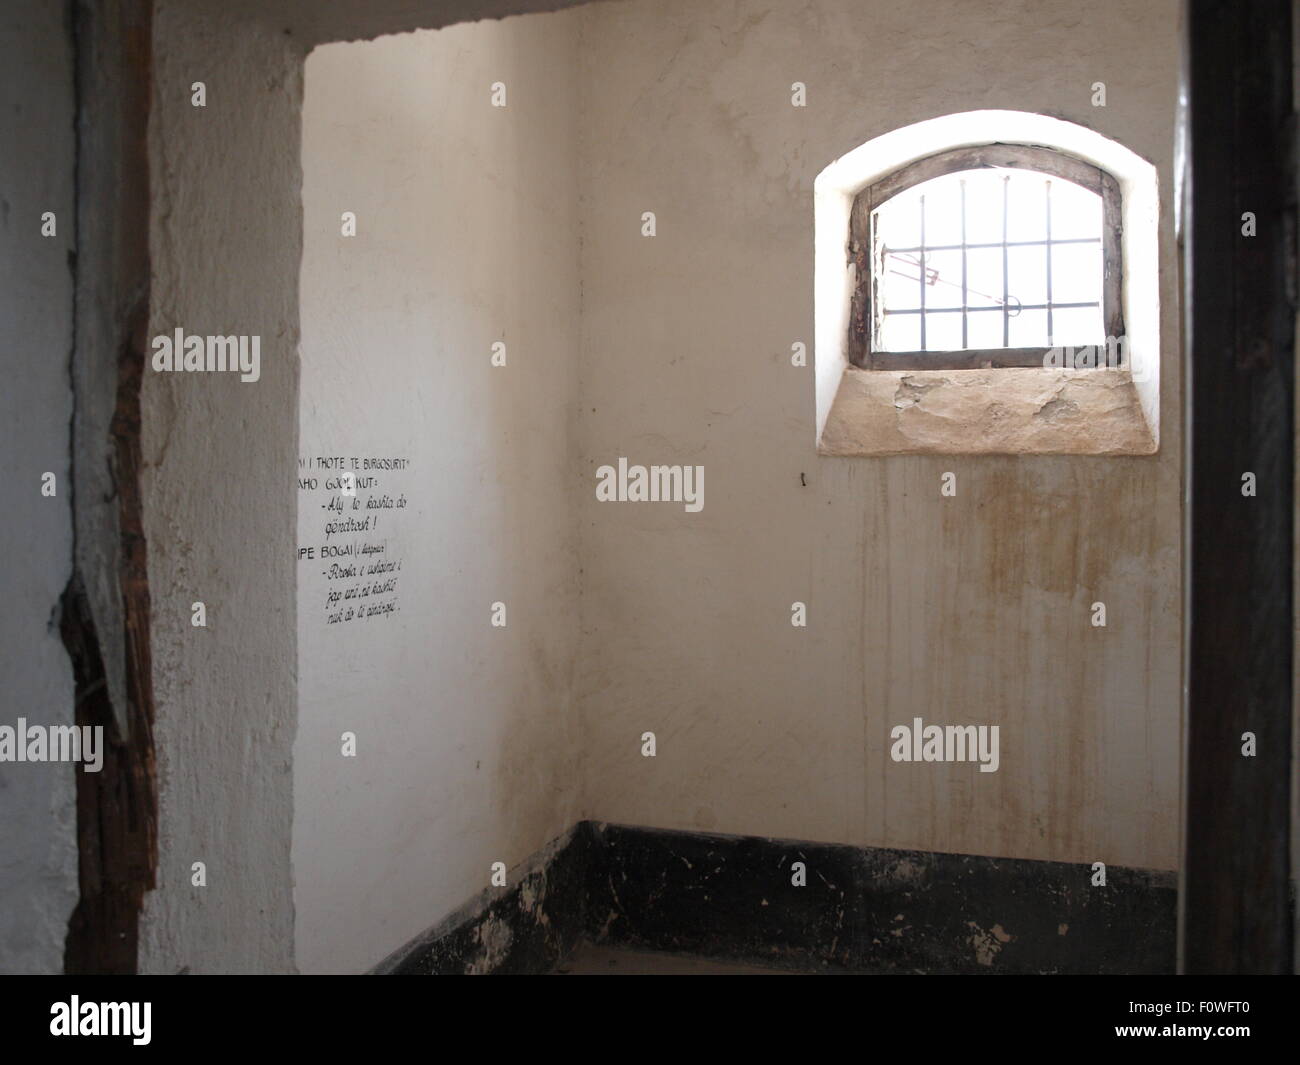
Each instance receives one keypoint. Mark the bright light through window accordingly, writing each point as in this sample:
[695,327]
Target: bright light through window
[989,258]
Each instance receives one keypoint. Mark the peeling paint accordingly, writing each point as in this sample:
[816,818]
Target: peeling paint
[985,944]
[494,938]
[911,390]
[1057,408]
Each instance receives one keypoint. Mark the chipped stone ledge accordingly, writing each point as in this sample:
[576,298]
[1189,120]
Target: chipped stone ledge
[1025,411]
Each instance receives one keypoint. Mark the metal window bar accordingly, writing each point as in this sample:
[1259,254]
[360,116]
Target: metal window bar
[925,278]
[921,273]
[976,310]
[1048,250]
[965,343]
[1006,294]
[994,244]
[932,278]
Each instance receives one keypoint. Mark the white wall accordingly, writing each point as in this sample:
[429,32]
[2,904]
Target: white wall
[38,858]
[466,234]
[218,489]
[220,474]
[966,610]
[683,109]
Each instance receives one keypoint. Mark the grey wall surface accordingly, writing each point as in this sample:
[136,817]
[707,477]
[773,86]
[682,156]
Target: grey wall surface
[38,860]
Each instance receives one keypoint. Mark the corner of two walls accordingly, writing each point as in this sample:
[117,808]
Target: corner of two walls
[477,762]
[682,619]
[466,238]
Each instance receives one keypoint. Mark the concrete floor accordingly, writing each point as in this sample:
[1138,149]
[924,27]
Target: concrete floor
[589,959]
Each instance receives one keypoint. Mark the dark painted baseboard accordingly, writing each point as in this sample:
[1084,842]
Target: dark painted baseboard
[527,927]
[873,909]
[868,910]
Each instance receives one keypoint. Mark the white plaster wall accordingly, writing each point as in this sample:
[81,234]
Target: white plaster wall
[966,610]
[38,860]
[467,233]
[218,488]
[220,478]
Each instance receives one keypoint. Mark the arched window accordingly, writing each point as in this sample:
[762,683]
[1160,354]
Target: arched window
[882,389]
[986,256]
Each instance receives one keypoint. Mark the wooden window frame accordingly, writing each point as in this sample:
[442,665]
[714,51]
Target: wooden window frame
[863,254]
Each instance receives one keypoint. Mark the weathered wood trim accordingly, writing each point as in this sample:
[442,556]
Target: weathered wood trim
[862,256]
[864,253]
[1240,370]
[1112,257]
[116,807]
[1013,156]
[969,359]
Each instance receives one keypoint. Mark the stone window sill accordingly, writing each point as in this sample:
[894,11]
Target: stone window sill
[1031,411]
